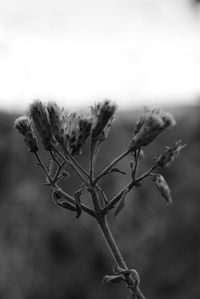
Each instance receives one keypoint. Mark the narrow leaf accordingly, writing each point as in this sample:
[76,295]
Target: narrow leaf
[67,205]
[112,278]
[56,195]
[117,269]
[122,202]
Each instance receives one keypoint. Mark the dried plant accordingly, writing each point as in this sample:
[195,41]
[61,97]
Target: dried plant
[63,136]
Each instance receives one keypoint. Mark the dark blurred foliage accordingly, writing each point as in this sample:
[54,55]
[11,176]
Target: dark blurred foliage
[46,253]
[196,1]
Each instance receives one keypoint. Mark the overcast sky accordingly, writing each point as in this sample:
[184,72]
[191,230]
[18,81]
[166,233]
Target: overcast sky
[79,51]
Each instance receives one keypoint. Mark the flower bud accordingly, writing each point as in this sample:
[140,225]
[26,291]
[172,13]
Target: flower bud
[38,113]
[150,125]
[163,187]
[24,127]
[170,154]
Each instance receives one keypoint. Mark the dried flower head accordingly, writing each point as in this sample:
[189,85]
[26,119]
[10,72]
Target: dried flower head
[39,114]
[76,131]
[171,152]
[57,121]
[163,187]
[24,127]
[151,124]
[102,115]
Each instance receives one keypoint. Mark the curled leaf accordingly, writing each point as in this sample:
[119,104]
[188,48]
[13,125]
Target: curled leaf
[56,195]
[77,197]
[67,205]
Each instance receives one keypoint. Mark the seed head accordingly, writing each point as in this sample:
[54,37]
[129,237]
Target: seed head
[39,114]
[56,120]
[149,126]
[170,154]
[102,115]
[24,127]
[77,130]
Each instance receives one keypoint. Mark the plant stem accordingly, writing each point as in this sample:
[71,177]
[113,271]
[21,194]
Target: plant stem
[111,243]
[70,199]
[106,170]
[76,167]
[115,199]
[118,257]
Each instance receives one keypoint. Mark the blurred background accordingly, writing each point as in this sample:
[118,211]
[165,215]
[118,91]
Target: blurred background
[137,53]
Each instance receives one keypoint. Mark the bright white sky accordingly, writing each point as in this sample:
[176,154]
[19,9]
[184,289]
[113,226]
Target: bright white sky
[79,51]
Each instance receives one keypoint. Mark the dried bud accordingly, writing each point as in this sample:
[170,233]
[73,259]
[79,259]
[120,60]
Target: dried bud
[77,130]
[24,127]
[57,121]
[102,114]
[170,154]
[163,187]
[151,124]
[83,132]
[38,113]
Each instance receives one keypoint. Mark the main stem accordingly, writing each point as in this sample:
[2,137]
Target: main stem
[111,243]
[102,221]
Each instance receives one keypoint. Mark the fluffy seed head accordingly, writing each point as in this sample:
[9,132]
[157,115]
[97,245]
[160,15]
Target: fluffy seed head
[56,120]
[102,115]
[170,154]
[24,127]
[149,126]
[39,114]
[76,131]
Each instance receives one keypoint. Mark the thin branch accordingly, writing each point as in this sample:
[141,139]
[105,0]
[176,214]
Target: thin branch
[103,195]
[107,169]
[78,165]
[72,165]
[65,195]
[128,187]
[92,146]
[146,174]
[115,200]
[40,163]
